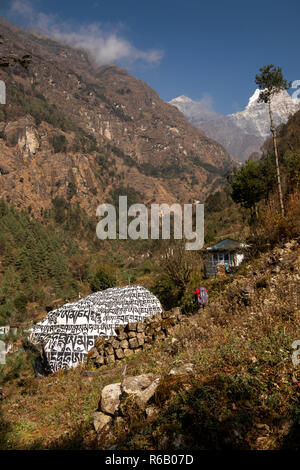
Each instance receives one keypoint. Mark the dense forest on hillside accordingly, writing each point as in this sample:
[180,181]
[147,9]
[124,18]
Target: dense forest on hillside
[35,263]
[47,261]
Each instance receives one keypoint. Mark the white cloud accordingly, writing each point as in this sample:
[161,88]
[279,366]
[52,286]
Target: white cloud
[104,46]
[207,101]
[23,8]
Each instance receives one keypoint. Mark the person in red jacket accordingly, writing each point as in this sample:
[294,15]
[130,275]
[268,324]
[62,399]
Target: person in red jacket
[201,296]
[197,294]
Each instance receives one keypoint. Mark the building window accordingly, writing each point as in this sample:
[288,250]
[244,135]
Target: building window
[221,257]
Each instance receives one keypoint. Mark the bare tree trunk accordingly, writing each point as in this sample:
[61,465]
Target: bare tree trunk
[272,129]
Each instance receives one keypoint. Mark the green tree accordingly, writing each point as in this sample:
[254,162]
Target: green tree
[291,161]
[249,185]
[167,292]
[102,280]
[271,81]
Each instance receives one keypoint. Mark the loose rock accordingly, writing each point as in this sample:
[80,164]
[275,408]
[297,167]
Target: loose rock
[119,353]
[184,369]
[110,398]
[133,343]
[148,393]
[101,420]
[136,385]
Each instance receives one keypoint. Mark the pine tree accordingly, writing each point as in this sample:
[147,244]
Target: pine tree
[271,81]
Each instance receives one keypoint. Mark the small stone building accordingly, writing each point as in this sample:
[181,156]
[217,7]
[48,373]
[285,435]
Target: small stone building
[228,252]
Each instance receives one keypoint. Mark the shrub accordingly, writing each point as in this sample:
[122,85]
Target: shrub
[59,207]
[71,191]
[21,303]
[59,143]
[167,293]
[40,109]
[271,228]
[102,280]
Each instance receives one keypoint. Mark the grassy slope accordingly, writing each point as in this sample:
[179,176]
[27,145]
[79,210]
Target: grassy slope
[244,393]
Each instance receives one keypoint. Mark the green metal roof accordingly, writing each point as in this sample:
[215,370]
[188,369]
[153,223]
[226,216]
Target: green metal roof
[227,244]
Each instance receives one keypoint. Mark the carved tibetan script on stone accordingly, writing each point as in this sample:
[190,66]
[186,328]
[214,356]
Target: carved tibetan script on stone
[68,333]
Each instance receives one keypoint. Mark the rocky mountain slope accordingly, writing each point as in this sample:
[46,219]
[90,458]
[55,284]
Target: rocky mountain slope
[72,130]
[288,138]
[240,133]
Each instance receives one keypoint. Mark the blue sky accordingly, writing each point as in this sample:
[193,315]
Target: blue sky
[210,49]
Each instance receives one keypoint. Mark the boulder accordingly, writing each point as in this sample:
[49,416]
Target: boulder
[147,394]
[110,398]
[136,385]
[245,294]
[100,420]
[184,369]
[95,357]
[72,334]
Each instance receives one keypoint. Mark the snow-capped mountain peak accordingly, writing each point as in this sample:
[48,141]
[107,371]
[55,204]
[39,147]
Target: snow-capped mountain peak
[182,99]
[240,133]
[254,119]
[254,98]
[195,111]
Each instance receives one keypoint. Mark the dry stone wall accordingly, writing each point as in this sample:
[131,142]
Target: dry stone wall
[133,337]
